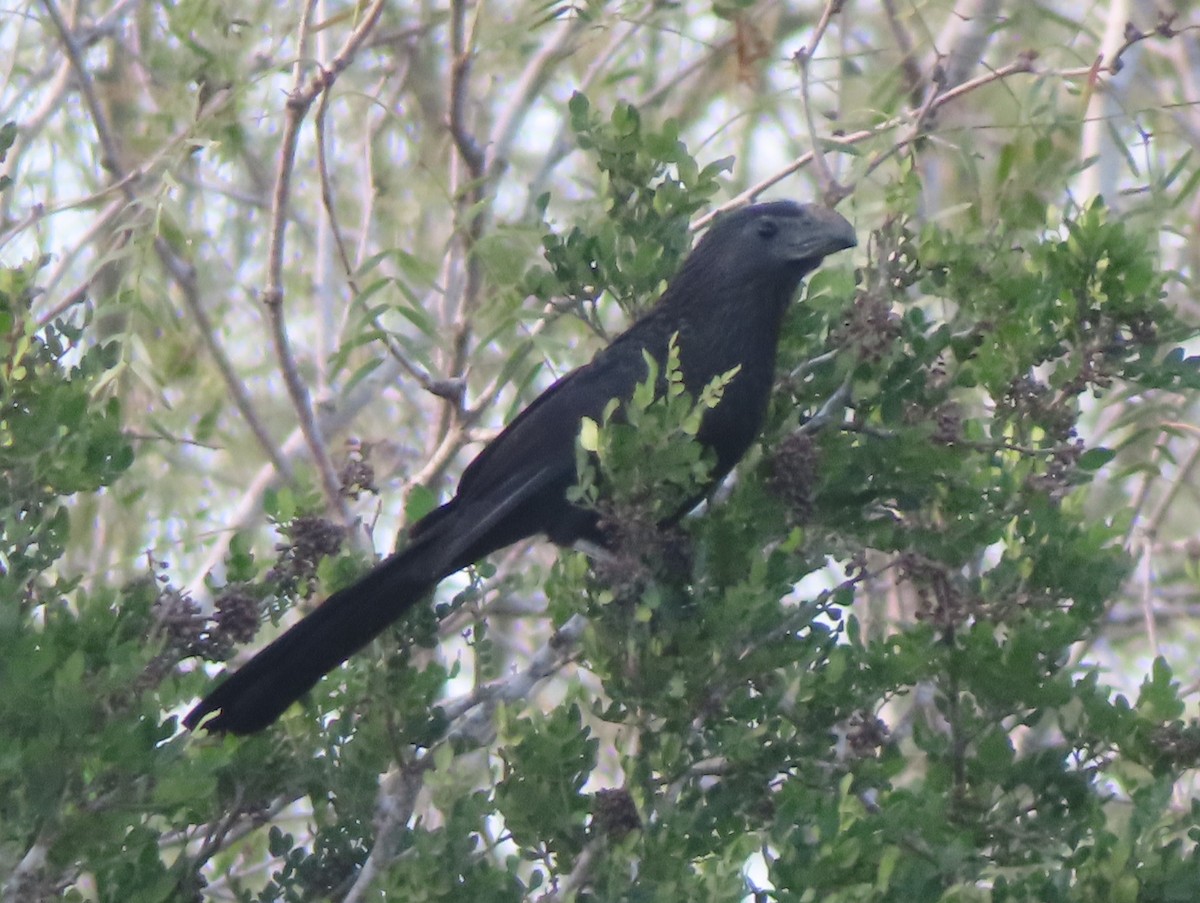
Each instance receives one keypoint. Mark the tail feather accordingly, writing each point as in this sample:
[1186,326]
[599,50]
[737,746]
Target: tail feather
[259,692]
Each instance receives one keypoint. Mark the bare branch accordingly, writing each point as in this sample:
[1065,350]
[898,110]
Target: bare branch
[184,275]
[299,102]
[908,58]
[472,715]
[25,875]
[528,86]
[933,102]
[461,50]
[585,862]
[968,29]
[112,157]
[461,274]
[181,272]
[803,60]
[396,801]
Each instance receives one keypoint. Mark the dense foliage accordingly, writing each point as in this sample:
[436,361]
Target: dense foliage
[931,641]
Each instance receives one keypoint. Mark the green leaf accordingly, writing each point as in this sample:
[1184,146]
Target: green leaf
[1095,458]
[589,435]
[420,502]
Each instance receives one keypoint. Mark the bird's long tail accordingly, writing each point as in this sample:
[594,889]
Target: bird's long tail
[259,691]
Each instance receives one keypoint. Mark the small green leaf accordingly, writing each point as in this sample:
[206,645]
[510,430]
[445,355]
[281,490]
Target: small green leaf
[589,435]
[1095,458]
[420,502]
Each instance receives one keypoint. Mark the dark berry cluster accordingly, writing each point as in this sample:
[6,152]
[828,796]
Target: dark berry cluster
[186,632]
[236,614]
[614,814]
[357,475]
[181,624]
[865,735]
[1060,472]
[794,474]
[1029,400]
[941,600]
[947,423]
[868,328]
[1178,742]
[640,548]
[310,539]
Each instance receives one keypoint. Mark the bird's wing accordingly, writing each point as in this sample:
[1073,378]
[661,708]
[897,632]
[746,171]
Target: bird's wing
[515,487]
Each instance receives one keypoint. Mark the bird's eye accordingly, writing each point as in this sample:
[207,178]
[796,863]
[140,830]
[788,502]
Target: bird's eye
[767,228]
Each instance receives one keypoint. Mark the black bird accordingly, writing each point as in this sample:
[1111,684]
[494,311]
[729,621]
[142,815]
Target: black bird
[725,304]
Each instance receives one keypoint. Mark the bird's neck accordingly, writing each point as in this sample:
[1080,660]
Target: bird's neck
[751,311]
[742,332]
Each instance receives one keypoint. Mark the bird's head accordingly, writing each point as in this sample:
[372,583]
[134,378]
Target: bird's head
[781,237]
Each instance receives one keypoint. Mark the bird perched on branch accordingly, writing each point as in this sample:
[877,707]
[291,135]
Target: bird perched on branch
[723,309]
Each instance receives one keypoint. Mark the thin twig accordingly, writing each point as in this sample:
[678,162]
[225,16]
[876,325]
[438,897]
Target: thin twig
[449,389]
[580,873]
[806,367]
[528,86]
[933,102]
[327,192]
[803,59]
[461,273]
[111,159]
[184,275]
[1149,526]
[556,652]
[462,49]
[180,271]
[1114,62]
[299,102]
[831,410]
[908,58]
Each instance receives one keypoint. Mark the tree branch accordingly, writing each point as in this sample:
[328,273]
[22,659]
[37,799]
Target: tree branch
[180,271]
[830,189]
[299,101]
